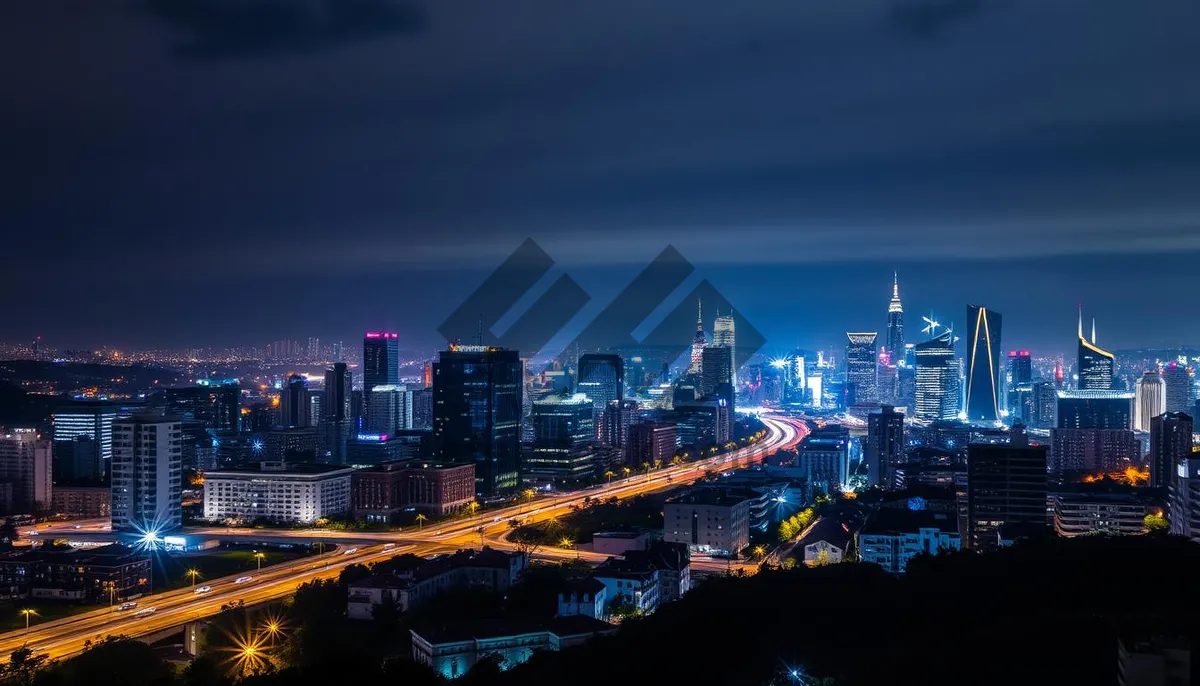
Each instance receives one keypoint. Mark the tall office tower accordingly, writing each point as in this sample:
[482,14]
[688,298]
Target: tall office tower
[1170,445]
[716,375]
[1045,405]
[895,326]
[615,421]
[147,472]
[906,388]
[338,353]
[1006,485]
[884,447]
[388,410]
[698,342]
[25,465]
[314,349]
[1020,367]
[1179,387]
[1095,366]
[563,431]
[338,392]
[650,442]
[477,413]
[90,419]
[1151,400]
[601,379]
[936,378]
[723,337]
[381,361]
[294,409]
[861,364]
[983,364]
[1093,432]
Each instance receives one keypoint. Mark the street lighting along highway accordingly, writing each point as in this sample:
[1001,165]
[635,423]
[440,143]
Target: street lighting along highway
[66,636]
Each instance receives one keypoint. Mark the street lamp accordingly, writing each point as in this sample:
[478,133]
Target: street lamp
[193,573]
[28,612]
[473,506]
[421,521]
[259,556]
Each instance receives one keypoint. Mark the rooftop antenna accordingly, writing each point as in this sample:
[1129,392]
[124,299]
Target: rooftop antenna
[1081,321]
[1093,331]
[479,335]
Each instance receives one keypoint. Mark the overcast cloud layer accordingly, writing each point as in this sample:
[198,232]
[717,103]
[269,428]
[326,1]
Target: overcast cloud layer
[220,157]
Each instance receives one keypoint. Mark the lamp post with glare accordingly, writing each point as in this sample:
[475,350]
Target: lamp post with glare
[28,612]
[193,573]
[259,557]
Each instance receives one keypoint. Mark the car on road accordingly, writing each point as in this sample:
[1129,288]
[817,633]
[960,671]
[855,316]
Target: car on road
[389,546]
[31,532]
[243,579]
[351,551]
[143,613]
[202,589]
[126,606]
[78,526]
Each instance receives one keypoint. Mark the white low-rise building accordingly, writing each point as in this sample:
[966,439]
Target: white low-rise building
[277,492]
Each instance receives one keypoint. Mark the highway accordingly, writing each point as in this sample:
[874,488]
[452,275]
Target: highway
[66,636]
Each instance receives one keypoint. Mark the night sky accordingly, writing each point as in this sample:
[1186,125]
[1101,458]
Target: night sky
[236,171]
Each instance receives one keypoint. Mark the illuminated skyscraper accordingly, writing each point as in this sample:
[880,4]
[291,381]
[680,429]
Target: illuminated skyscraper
[601,378]
[1179,387]
[477,413]
[1150,399]
[936,378]
[723,337]
[293,404]
[381,361]
[861,362]
[983,364]
[1095,366]
[698,342]
[895,327]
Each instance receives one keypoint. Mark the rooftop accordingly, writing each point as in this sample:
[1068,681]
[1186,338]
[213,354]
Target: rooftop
[281,469]
[455,632]
[897,521]
[710,496]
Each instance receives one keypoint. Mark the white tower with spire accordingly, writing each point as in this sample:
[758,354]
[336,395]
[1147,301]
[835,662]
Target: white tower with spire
[894,343]
[698,342]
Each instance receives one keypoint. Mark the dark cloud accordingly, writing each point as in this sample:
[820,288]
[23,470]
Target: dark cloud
[929,18]
[235,29]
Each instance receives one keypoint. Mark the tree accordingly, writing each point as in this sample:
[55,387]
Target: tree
[386,615]
[1155,522]
[22,667]
[352,573]
[114,661]
[527,540]
[8,534]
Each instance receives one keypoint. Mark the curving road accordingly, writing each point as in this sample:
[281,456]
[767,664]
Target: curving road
[66,636]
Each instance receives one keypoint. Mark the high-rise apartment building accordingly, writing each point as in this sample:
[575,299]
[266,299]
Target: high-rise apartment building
[1150,400]
[983,364]
[477,413]
[1006,485]
[1170,445]
[1178,378]
[147,473]
[650,442]
[884,445]
[25,464]
[716,377]
[861,363]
